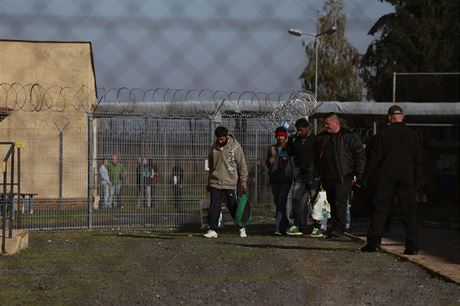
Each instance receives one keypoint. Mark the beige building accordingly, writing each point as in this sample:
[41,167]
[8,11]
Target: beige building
[49,88]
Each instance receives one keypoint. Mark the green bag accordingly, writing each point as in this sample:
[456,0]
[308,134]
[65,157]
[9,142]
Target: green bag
[243,215]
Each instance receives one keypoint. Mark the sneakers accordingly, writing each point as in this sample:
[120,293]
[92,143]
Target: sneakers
[316,233]
[211,234]
[278,233]
[294,231]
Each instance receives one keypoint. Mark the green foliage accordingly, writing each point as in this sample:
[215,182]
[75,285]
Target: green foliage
[419,36]
[338,61]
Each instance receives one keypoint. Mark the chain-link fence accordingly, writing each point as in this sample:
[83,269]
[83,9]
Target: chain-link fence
[66,134]
[229,45]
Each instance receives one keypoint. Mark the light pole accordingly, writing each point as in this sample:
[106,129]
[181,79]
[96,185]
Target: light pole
[329,31]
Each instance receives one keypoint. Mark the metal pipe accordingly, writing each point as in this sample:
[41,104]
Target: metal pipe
[61,166]
[316,68]
[90,170]
[394,87]
[4,169]
[19,190]
[10,221]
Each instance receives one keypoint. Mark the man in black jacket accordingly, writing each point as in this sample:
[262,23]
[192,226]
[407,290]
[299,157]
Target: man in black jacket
[341,158]
[302,147]
[395,158]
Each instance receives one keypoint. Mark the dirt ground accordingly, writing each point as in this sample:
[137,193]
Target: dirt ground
[152,268]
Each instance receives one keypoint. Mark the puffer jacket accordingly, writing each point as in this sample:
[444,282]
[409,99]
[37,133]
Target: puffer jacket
[227,165]
[304,150]
[349,157]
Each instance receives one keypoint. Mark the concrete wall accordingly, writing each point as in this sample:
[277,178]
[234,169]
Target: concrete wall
[53,65]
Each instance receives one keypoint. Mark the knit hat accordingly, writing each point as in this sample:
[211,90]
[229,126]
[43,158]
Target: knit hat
[281,131]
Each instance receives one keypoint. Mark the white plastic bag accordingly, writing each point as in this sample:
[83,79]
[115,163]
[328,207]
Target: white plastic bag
[321,207]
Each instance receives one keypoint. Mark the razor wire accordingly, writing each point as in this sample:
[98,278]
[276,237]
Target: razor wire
[274,106]
[35,97]
[301,105]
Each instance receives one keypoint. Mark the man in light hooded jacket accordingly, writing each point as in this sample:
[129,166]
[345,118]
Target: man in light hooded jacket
[227,171]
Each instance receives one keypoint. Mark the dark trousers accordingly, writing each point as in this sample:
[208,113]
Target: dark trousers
[177,191]
[280,194]
[405,193]
[215,207]
[337,196]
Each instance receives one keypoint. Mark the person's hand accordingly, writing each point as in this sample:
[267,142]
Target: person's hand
[271,160]
[244,187]
[360,182]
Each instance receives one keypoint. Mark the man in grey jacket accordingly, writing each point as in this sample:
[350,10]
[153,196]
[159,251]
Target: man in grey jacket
[227,171]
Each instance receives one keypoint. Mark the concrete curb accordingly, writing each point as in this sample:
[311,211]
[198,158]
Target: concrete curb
[432,266]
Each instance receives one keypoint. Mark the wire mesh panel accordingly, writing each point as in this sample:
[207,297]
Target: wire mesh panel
[53,173]
[164,168]
[155,152]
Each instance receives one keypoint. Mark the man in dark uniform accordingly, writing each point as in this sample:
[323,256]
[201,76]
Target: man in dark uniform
[341,158]
[395,158]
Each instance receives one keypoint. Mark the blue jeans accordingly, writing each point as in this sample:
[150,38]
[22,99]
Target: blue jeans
[106,195]
[116,195]
[303,192]
[280,195]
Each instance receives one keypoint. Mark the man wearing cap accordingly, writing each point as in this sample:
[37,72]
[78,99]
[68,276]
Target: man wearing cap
[302,147]
[395,158]
[227,169]
[341,158]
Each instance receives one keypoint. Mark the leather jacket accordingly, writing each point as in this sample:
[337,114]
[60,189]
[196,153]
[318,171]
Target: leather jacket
[348,154]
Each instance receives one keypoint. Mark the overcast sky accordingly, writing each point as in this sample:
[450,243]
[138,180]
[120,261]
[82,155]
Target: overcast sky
[218,44]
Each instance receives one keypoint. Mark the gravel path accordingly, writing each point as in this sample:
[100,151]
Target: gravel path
[150,268]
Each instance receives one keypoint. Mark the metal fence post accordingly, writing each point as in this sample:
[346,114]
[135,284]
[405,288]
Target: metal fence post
[256,174]
[11,195]
[61,166]
[19,209]
[90,169]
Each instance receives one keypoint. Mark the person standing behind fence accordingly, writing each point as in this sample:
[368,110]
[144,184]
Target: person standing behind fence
[117,174]
[302,147]
[396,159]
[177,177]
[341,158]
[153,181]
[281,173]
[106,184]
[227,169]
[144,183]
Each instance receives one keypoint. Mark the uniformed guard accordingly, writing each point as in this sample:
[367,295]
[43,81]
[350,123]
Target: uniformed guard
[395,158]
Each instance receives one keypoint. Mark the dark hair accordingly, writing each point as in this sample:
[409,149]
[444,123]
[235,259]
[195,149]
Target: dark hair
[221,131]
[331,114]
[302,122]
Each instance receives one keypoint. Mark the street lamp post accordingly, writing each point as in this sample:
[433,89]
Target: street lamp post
[329,31]
[332,29]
